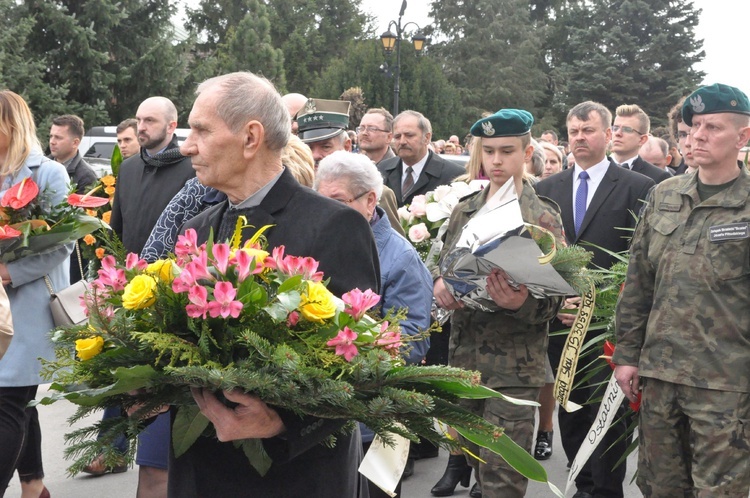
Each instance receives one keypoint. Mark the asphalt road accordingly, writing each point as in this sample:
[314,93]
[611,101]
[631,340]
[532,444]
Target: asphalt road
[427,472]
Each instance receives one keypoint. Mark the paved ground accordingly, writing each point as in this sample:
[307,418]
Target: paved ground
[54,426]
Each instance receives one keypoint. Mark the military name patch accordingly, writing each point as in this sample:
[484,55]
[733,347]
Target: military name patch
[732,231]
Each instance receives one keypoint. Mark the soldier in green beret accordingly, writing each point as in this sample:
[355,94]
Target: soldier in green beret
[683,320]
[509,346]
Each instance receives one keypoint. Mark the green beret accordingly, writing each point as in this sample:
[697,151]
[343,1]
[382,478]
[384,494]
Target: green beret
[322,119]
[714,99]
[504,123]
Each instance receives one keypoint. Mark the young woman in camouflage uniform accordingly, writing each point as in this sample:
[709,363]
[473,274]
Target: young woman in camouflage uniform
[508,346]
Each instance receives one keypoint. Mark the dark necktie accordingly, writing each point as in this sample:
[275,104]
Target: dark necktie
[582,193]
[625,165]
[408,182]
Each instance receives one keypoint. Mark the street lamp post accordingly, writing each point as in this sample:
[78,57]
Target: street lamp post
[391,41]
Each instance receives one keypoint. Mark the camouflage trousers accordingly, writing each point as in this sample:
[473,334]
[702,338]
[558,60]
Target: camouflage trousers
[496,477]
[693,442]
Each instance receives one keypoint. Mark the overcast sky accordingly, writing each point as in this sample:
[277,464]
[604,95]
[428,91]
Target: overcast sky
[723,27]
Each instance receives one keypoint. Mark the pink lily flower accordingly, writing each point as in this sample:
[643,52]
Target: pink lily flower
[389,340]
[245,266]
[198,267]
[198,307]
[224,304]
[183,282]
[293,265]
[344,343]
[133,261]
[221,257]
[358,302]
[110,275]
[187,244]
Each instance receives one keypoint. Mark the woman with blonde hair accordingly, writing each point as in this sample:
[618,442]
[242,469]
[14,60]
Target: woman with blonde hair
[21,157]
[553,159]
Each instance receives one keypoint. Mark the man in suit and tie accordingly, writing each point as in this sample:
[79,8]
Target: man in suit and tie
[416,170]
[629,131]
[598,199]
[236,149]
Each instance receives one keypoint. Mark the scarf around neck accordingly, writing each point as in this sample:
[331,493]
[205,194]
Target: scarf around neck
[170,155]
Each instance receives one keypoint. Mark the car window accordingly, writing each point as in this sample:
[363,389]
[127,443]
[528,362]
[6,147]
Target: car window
[101,149]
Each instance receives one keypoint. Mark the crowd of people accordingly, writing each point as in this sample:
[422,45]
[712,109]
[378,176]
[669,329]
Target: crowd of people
[292,162]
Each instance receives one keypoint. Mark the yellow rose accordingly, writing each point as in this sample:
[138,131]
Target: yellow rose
[108,180]
[317,303]
[110,191]
[139,293]
[88,348]
[89,239]
[162,269]
[106,217]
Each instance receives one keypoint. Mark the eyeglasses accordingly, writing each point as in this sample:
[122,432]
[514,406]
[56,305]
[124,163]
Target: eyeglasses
[349,201]
[369,129]
[625,129]
[682,134]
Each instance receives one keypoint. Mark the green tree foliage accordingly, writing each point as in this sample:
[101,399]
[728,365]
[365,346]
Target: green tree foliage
[110,54]
[23,72]
[313,34]
[624,52]
[491,52]
[424,88]
[248,47]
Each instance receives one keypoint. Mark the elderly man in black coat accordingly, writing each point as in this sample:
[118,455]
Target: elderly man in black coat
[239,126]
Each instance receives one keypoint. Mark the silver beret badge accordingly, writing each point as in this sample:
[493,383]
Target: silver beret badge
[697,103]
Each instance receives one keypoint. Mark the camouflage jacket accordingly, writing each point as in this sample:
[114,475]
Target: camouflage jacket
[509,347]
[684,313]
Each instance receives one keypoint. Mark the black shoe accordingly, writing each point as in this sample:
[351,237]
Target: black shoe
[408,469]
[456,471]
[543,448]
[476,491]
[583,494]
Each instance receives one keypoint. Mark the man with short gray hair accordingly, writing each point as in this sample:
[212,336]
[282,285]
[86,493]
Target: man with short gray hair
[417,169]
[239,127]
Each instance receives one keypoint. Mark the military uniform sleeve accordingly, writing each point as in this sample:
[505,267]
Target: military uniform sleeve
[634,304]
[535,311]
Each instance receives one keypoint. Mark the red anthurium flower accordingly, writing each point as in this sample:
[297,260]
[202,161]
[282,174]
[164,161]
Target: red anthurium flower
[20,194]
[86,201]
[609,350]
[8,232]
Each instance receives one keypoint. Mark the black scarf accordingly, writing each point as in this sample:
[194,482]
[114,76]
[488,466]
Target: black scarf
[170,155]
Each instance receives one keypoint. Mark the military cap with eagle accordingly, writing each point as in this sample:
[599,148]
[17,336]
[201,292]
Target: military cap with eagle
[714,99]
[504,123]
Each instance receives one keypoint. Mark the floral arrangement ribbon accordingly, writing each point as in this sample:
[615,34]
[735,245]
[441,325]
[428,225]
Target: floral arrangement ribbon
[611,401]
[566,371]
[383,463]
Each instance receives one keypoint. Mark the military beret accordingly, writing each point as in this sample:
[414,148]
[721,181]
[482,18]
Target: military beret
[714,99]
[504,123]
[322,119]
